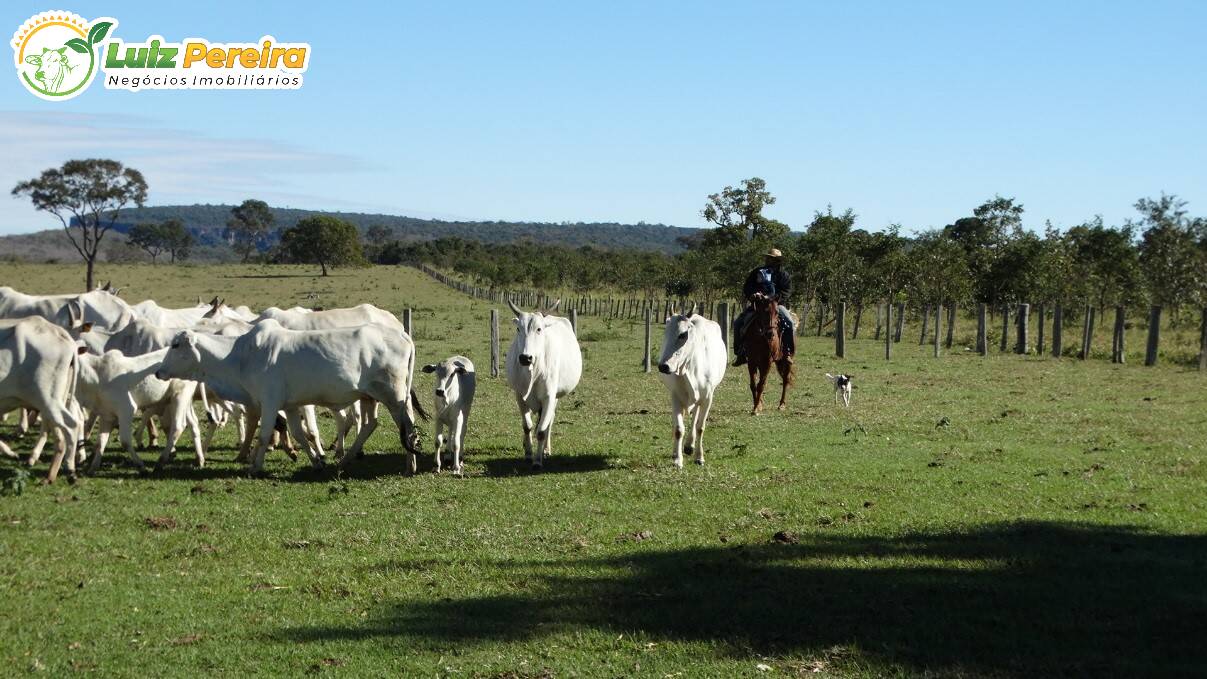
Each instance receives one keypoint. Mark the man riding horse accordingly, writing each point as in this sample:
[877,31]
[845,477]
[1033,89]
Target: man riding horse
[772,281]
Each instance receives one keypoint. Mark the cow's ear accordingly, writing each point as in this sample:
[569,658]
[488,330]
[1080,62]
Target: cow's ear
[33,59]
[86,327]
[429,368]
[460,367]
[81,350]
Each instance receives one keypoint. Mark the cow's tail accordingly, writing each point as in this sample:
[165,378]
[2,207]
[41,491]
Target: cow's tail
[411,378]
[418,406]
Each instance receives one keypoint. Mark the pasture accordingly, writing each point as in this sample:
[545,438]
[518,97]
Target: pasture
[966,516]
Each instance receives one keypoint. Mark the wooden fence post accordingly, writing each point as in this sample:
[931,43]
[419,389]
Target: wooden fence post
[574,320]
[840,330]
[938,327]
[1203,342]
[645,362]
[494,342]
[406,321]
[925,324]
[723,321]
[888,331]
[1024,316]
[878,321]
[1058,329]
[1087,330]
[1041,316]
[900,321]
[951,325]
[1005,329]
[858,319]
[1117,348]
[1154,335]
[982,341]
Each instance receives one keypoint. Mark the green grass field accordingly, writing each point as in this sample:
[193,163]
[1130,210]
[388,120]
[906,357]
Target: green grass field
[967,516]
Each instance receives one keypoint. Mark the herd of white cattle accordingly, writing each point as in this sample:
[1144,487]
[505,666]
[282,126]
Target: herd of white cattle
[80,362]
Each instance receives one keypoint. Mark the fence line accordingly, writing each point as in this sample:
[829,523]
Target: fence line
[889,320]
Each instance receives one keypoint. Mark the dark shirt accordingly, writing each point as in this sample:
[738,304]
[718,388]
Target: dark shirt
[780,284]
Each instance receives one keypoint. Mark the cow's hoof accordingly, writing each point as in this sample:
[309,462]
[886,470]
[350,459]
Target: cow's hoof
[72,478]
[782,406]
[678,464]
[700,463]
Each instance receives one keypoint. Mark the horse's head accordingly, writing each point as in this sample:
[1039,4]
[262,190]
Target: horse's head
[766,312]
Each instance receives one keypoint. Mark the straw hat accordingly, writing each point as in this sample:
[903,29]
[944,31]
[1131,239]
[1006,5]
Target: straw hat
[775,253]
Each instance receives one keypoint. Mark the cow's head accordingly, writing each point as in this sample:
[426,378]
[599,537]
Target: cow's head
[183,360]
[448,387]
[530,333]
[676,343]
[52,66]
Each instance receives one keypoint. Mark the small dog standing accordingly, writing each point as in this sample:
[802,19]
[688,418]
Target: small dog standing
[842,385]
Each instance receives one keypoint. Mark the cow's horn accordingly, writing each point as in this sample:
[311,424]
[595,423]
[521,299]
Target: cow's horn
[553,307]
[514,309]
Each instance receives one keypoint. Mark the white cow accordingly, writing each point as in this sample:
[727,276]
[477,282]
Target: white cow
[350,317]
[117,386]
[273,368]
[454,392]
[38,366]
[692,366]
[100,307]
[544,363]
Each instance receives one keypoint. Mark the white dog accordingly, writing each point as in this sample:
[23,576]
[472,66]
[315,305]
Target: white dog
[842,385]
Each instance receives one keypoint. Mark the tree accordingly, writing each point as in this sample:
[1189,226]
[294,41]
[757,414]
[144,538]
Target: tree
[323,240]
[1170,251]
[983,236]
[86,196]
[1105,262]
[738,211]
[147,237]
[378,234]
[155,239]
[177,240]
[248,227]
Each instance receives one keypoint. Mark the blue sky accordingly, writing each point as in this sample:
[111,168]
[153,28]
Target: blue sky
[627,111]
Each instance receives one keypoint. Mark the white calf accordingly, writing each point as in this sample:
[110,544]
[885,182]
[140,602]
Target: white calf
[454,391]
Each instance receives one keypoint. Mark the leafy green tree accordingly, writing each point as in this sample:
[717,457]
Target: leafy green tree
[738,213]
[155,239]
[379,234]
[983,237]
[323,240]
[146,237]
[248,228]
[1171,251]
[86,196]
[940,270]
[1106,264]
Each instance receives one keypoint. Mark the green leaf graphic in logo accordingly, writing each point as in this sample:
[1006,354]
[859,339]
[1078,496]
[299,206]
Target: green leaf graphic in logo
[99,31]
[78,45]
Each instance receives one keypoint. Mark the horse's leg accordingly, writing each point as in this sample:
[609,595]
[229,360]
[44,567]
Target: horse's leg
[785,370]
[760,388]
[754,390]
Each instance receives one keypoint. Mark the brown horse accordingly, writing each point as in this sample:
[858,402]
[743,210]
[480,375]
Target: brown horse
[762,338]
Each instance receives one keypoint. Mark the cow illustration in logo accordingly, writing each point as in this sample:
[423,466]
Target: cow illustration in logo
[58,53]
[53,67]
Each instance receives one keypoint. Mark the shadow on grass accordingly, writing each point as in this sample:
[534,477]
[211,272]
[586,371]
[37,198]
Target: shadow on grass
[1008,599]
[514,464]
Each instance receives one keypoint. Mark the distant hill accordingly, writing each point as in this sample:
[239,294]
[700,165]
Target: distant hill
[207,223]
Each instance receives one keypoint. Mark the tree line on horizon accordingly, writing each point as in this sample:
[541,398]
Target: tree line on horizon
[986,256]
